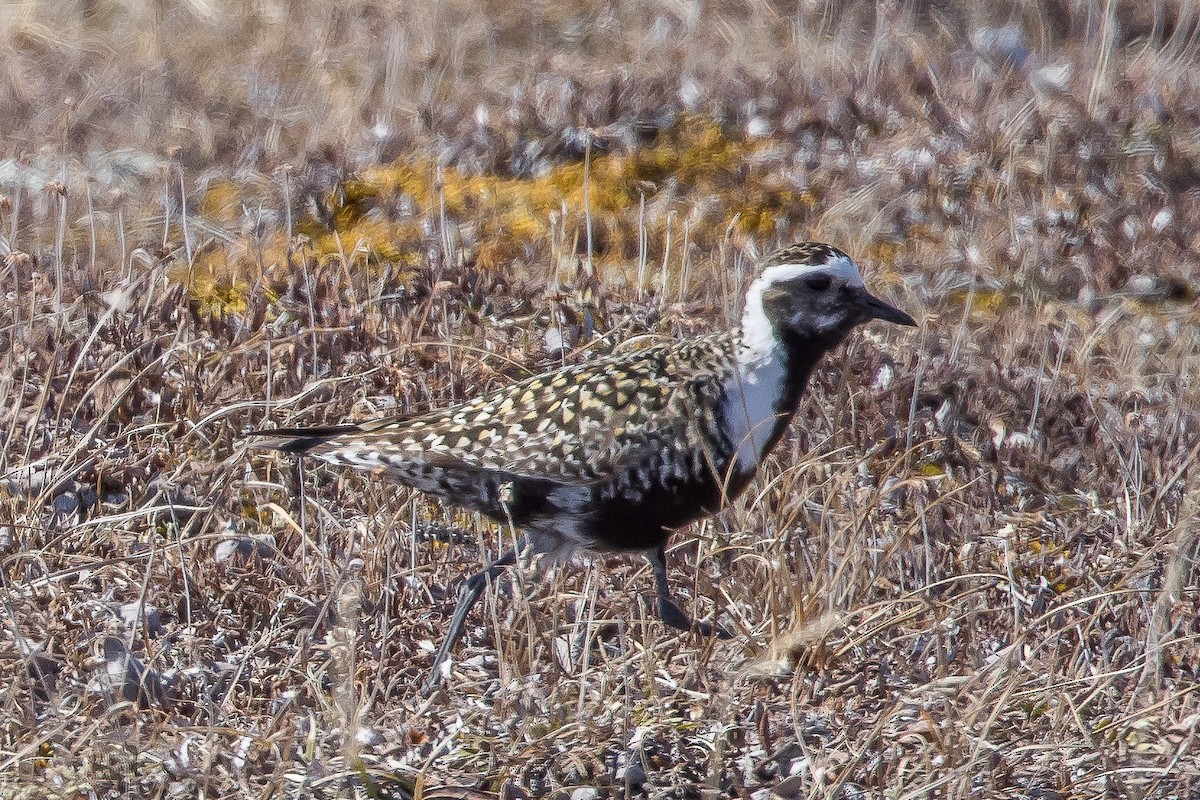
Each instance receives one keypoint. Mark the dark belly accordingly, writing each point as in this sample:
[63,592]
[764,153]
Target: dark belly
[629,514]
[645,521]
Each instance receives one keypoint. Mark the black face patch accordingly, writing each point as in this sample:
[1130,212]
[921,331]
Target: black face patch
[801,295]
[818,283]
[812,305]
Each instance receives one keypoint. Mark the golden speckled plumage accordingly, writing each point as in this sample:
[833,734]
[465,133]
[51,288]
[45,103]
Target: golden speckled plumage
[618,452]
[575,425]
[803,253]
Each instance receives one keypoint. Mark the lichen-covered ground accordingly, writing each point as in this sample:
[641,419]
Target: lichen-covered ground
[969,571]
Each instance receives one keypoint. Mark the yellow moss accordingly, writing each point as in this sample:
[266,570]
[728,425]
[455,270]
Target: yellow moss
[222,201]
[216,298]
[384,214]
[932,469]
[883,253]
[986,303]
[695,156]
[757,222]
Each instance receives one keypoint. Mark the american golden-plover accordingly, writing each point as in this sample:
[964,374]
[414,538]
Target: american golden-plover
[616,453]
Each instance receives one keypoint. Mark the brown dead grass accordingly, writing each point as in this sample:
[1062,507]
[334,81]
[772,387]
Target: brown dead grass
[971,571]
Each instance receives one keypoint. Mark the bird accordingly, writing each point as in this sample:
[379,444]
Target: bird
[617,453]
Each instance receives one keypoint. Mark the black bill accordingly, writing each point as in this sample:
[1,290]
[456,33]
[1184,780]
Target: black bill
[874,308]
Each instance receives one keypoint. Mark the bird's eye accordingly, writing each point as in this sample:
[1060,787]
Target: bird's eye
[818,283]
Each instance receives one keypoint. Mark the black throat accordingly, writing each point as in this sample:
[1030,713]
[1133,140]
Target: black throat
[801,352]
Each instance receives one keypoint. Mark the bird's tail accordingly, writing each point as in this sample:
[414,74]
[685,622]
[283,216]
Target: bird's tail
[300,440]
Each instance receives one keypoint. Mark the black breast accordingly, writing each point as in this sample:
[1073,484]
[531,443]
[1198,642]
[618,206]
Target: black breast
[638,509]
[642,519]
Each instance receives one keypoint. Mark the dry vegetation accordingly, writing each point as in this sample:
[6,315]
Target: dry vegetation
[971,571]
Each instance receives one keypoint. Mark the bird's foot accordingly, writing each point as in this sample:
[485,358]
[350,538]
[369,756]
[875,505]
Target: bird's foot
[673,617]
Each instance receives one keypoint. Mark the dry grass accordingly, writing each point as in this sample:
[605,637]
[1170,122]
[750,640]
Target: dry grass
[971,571]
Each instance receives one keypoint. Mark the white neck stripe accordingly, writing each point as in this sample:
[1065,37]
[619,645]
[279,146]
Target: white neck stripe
[837,268]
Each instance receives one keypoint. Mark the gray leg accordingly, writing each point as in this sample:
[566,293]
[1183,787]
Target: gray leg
[468,596]
[668,611]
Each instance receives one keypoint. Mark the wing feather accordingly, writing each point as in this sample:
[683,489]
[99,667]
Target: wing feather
[575,426]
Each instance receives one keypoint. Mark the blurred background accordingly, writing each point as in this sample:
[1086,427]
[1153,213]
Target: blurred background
[778,119]
[969,572]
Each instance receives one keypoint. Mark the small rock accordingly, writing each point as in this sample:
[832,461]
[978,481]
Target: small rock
[1156,288]
[66,508]
[42,668]
[1162,220]
[128,674]
[1051,78]
[556,342]
[1007,43]
[766,770]
[245,548]
[29,479]
[790,788]
[585,793]
[633,775]
[758,128]
[137,615]
[511,790]
[368,737]
[1038,792]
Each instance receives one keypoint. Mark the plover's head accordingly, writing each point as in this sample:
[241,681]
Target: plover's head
[812,292]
